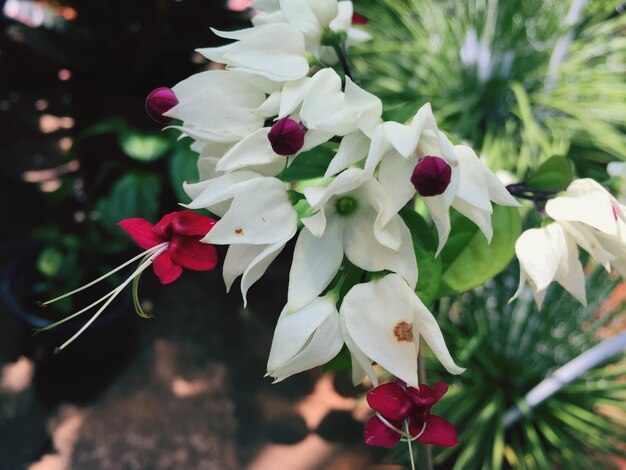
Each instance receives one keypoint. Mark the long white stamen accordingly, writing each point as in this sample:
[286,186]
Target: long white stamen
[419,434]
[389,425]
[104,276]
[74,315]
[114,294]
[404,434]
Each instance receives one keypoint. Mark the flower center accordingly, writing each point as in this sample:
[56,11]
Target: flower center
[346,205]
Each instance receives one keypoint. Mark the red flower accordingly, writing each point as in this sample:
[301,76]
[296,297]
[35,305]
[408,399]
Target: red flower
[397,405]
[182,232]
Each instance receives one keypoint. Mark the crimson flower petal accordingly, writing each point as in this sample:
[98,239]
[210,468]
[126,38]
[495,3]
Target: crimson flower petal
[183,223]
[141,231]
[427,396]
[166,270]
[379,434]
[439,432]
[190,253]
[390,400]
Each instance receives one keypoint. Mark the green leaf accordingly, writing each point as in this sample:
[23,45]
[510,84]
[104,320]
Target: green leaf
[143,146]
[311,164]
[419,228]
[425,245]
[468,260]
[341,361]
[133,195]
[49,261]
[183,167]
[555,173]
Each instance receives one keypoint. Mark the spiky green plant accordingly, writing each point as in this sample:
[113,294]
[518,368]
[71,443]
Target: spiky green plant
[475,60]
[510,348]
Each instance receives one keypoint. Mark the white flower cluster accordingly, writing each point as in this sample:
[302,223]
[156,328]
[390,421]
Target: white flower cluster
[586,215]
[353,215]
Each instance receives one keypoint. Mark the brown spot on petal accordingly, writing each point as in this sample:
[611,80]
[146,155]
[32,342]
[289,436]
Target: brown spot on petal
[403,331]
[238,231]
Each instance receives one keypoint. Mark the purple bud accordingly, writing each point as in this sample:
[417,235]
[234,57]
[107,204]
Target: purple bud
[160,101]
[431,176]
[286,137]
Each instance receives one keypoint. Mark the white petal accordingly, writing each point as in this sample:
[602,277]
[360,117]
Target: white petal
[313,138]
[347,181]
[316,223]
[315,263]
[361,364]
[270,106]
[260,213]
[480,217]
[250,261]
[570,273]
[208,193]
[275,51]
[219,103]
[430,331]
[254,149]
[593,208]
[324,106]
[352,149]
[472,184]
[497,191]
[539,254]
[395,177]
[304,339]
[378,316]
[292,95]
[367,107]
[343,20]
[364,251]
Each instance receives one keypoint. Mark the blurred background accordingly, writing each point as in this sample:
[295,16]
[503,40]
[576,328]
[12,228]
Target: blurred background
[523,82]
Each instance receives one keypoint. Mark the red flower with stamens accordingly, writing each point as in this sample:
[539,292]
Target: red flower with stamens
[398,406]
[182,232]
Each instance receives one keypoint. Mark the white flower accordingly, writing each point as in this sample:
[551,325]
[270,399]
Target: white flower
[349,221]
[257,220]
[381,321]
[397,148]
[325,111]
[220,106]
[594,218]
[549,254]
[275,51]
[304,339]
[312,18]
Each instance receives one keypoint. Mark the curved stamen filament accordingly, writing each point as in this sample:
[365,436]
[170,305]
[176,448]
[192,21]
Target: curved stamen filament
[404,434]
[114,293]
[74,315]
[391,426]
[104,276]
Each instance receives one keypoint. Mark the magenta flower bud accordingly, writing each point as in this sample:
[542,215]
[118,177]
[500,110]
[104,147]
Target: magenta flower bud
[431,176]
[160,101]
[286,137]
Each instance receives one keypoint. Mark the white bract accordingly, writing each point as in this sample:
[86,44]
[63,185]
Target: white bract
[382,321]
[312,18]
[348,221]
[396,149]
[220,106]
[257,220]
[304,339]
[275,51]
[595,220]
[324,110]
[549,254]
